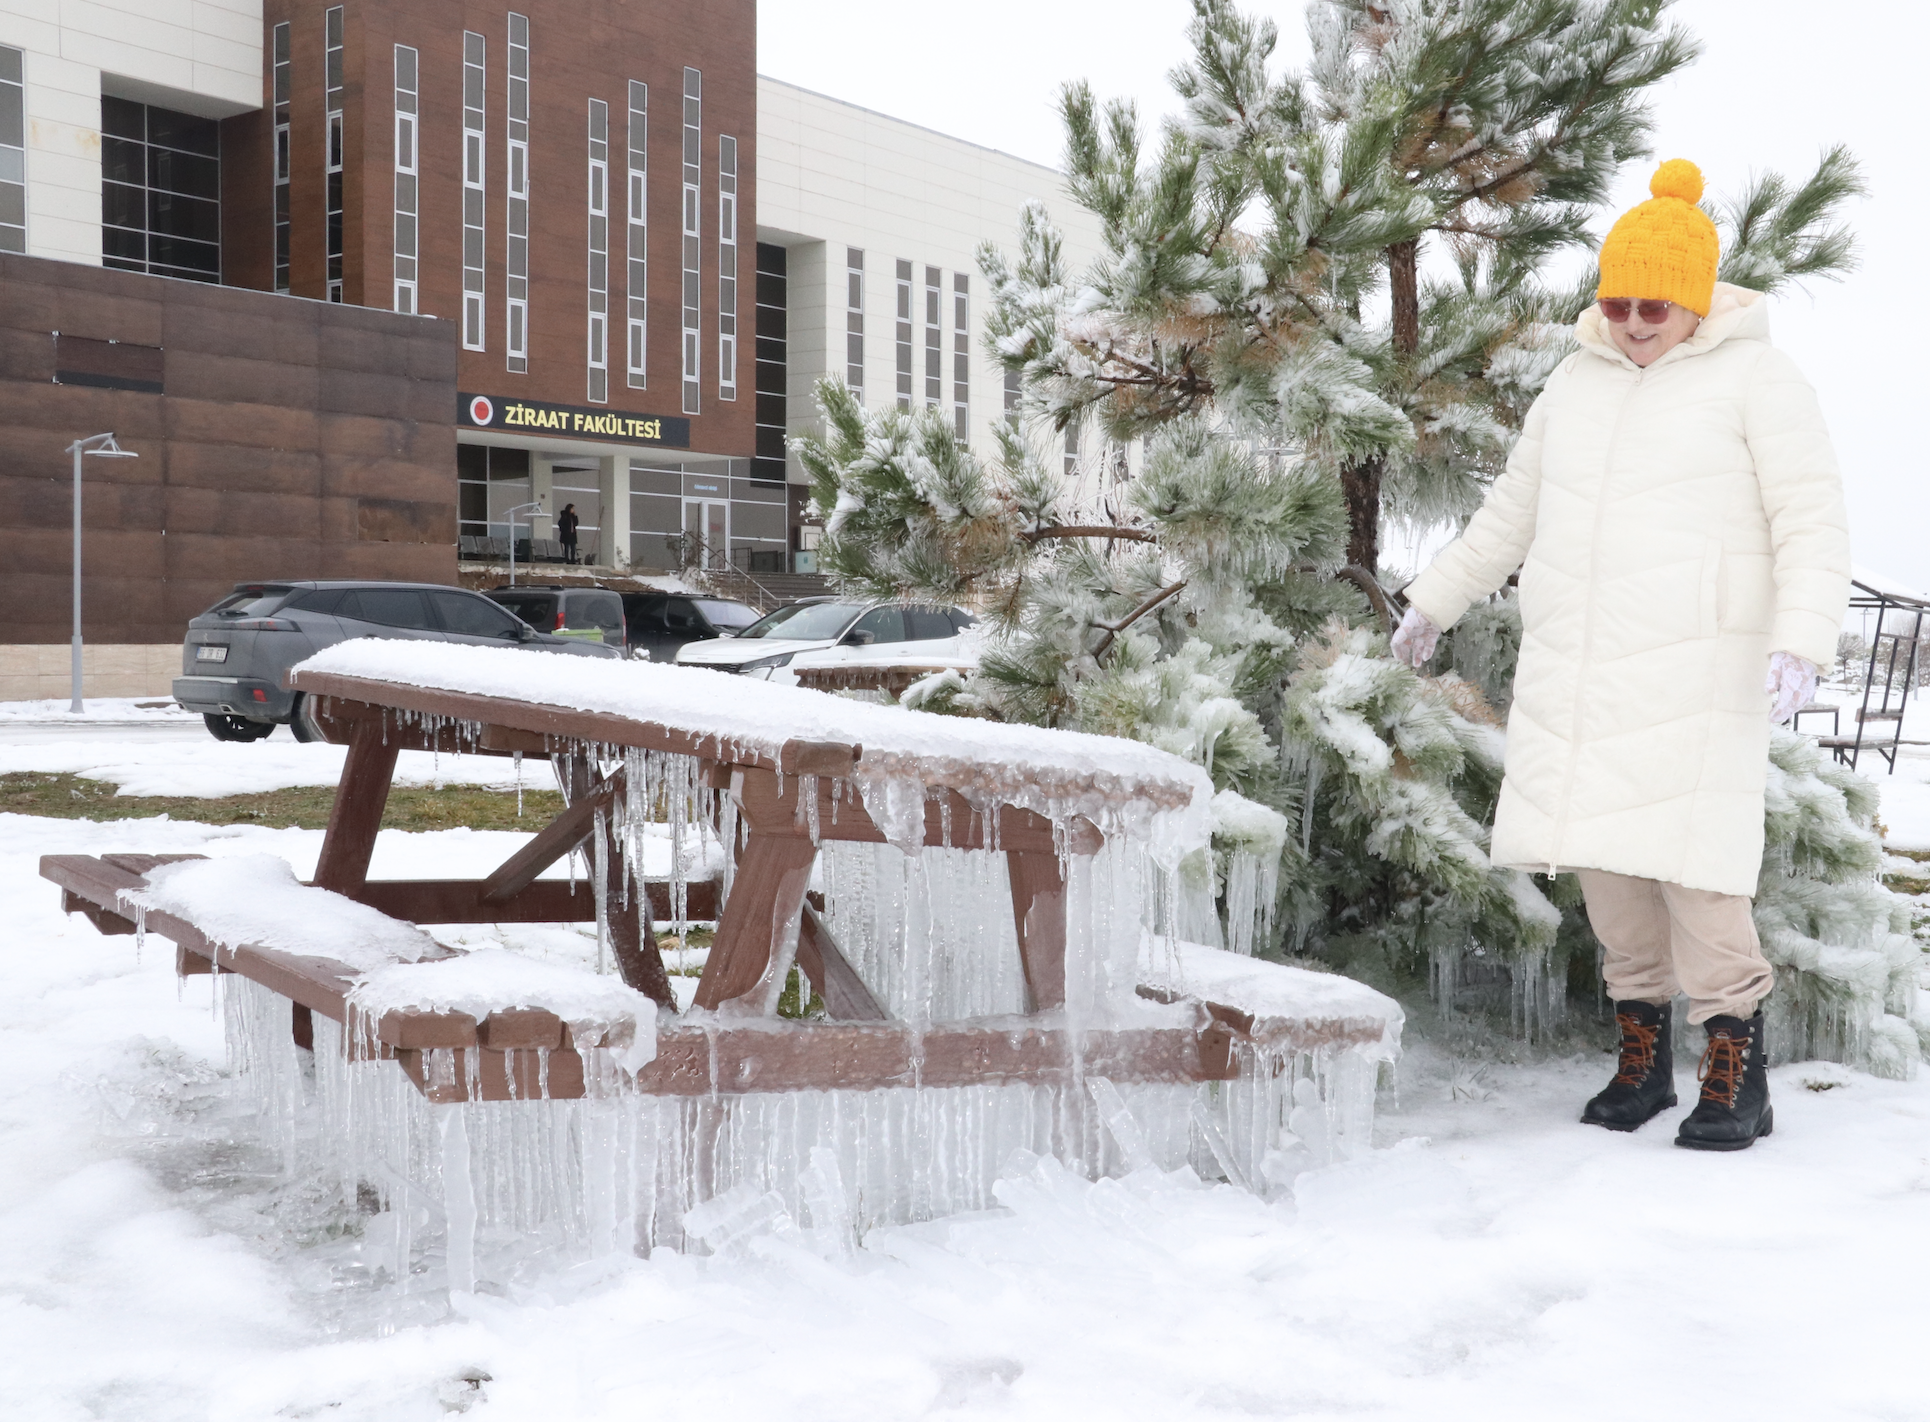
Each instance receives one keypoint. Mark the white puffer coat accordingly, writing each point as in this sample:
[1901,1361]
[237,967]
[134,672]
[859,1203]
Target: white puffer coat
[1678,524]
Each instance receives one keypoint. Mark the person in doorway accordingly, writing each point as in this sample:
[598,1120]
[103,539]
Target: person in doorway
[566,523]
[1674,508]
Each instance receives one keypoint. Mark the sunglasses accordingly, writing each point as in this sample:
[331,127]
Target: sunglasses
[1618,309]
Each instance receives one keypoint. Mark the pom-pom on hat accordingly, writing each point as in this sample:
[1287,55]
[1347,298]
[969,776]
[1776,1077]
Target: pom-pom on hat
[1666,248]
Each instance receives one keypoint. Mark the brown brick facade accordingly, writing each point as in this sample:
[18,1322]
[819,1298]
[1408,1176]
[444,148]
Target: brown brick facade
[293,439]
[578,51]
[297,438]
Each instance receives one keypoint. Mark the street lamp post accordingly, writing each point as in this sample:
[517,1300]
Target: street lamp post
[529,508]
[103,446]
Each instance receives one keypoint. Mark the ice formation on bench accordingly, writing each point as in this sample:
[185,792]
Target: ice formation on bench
[625,1124]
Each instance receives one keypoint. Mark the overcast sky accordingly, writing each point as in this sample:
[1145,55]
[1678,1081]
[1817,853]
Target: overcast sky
[1774,86]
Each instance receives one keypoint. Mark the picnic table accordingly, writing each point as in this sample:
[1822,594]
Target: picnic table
[774,775]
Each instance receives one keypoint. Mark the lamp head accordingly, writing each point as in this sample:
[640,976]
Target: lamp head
[103,445]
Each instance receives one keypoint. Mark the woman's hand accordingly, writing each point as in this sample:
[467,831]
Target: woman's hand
[1415,639]
[1792,681]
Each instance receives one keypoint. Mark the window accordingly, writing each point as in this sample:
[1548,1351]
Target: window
[637,212]
[961,353]
[160,191]
[1013,394]
[13,152]
[284,84]
[474,149]
[772,362]
[490,481]
[516,255]
[726,268]
[1072,451]
[469,615]
[406,146]
[336,143]
[885,624]
[934,336]
[927,624]
[854,320]
[904,335]
[388,607]
[692,253]
[599,277]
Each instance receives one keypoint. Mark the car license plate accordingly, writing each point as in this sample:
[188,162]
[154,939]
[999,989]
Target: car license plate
[211,654]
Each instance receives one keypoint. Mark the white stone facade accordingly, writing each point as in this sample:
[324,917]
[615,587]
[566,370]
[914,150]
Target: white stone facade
[199,56]
[832,176]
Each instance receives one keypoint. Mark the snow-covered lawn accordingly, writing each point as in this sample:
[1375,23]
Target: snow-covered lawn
[1494,1261]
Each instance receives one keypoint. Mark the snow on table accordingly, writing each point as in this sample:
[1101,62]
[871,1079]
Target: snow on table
[1109,780]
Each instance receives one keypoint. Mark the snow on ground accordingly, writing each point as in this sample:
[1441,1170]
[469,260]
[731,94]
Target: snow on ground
[1494,1260]
[176,756]
[100,710]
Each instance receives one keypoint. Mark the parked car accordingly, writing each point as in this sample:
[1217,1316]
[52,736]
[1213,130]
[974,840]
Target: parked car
[826,631]
[661,623]
[588,614]
[237,652]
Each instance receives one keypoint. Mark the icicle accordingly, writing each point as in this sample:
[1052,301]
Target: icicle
[600,887]
[458,1202]
[517,759]
[1119,1120]
[1217,1142]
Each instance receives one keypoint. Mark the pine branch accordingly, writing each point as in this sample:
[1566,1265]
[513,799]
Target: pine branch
[1088,530]
[1113,629]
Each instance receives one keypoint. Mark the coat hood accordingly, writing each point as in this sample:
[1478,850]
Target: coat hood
[1735,313]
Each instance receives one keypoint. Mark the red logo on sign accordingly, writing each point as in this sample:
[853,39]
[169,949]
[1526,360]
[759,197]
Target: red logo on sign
[481,412]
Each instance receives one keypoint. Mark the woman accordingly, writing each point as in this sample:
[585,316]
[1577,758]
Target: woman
[1674,507]
[566,523]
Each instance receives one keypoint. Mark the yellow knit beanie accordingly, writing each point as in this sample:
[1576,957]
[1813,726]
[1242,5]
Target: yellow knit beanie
[1666,248]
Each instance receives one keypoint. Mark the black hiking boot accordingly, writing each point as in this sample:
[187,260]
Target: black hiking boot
[1734,1108]
[1645,1079]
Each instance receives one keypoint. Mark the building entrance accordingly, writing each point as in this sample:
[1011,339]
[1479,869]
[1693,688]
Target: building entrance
[707,532]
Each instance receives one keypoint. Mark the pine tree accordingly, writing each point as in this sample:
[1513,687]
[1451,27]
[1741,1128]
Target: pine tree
[1280,209]
[1840,941]
[1212,593]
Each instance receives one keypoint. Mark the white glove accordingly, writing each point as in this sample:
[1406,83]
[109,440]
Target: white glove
[1792,682]
[1415,638]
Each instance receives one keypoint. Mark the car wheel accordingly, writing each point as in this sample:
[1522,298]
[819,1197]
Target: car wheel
[237,728]
[303,722]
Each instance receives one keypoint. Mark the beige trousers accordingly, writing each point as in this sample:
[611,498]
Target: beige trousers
[1660,939]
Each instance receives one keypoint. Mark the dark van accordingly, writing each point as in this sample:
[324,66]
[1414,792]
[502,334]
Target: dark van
[660,623]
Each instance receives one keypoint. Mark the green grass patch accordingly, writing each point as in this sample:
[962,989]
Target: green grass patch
[410,807]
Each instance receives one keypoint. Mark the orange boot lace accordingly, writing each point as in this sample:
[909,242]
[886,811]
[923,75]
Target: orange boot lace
[1638,1050]
[1720,1071]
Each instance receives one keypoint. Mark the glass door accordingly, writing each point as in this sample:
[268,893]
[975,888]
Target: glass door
[707,532]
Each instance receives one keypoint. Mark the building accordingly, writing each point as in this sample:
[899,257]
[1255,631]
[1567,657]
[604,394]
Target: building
[873,226]
[372,289]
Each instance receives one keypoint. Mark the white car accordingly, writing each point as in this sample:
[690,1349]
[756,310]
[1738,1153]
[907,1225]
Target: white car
[832,632]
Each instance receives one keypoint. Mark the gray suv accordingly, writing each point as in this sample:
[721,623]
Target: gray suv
[237,652]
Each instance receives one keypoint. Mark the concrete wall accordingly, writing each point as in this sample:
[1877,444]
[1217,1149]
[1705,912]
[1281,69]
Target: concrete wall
[46,673]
